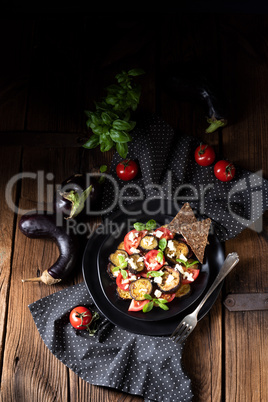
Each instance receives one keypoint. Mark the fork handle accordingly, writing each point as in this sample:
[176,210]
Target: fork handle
[229,263]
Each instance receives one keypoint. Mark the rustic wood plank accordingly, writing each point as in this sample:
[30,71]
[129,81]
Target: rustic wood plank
[246,332]
[184,39]
[8,169]
[26,358]
[244,55]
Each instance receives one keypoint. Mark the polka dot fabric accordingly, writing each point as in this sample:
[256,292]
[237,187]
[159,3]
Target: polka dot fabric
[169,171]
[146,365]
[136,364]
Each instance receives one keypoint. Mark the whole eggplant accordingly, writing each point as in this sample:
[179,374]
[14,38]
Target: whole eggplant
[75,191]
[44,226]
[193,82]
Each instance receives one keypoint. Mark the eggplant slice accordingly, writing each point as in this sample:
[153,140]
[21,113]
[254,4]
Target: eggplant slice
[135,263]
[174,250]
[123,294]
[171,280]
[184,290]
[114,257]
[121,246]
[139,288]
[148,242]
[112,275]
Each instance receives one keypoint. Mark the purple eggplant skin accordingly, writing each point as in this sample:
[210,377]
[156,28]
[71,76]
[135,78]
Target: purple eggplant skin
[44,226]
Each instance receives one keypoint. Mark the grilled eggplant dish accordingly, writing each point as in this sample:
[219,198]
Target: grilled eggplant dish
[154,265]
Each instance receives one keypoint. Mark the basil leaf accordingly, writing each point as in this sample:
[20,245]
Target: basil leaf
[93,142]
[163,306]
[162,300]
[115,269]
[139,226]
[124,273]
[103,168]
[155,273]
[121,259]
[189,264]
[121,125]
[119,136]
[162,244]
[160,257]
[136,71]
[151,224]
[147,297]
[122,149]
[148,307]
[106,143]
[106,118]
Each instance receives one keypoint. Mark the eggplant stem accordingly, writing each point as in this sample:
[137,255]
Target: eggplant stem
[215,124]
[45,278]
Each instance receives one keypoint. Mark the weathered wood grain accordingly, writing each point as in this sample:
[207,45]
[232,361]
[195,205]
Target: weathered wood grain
[245,142]
[7,224]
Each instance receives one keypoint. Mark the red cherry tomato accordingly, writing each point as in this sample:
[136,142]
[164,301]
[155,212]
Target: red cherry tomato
[80,317]
[132,239]
[150,261]
[127,169]
[204,155]
[167,234]
[224,170]
[137,305]
[194,272]
[121,282]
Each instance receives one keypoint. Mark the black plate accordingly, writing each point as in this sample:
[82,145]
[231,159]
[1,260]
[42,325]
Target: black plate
[215,259]
[108,285]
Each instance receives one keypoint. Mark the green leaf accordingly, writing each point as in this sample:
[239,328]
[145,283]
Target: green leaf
[106,143]
[93,142]
[122,149]
[151,224]
[106,118]
[136,71]
[148,307]
[120,136]
[121,125]
[103,168]
[124,273]
[139,226]
[147,297]
[162,244]
[160,257]
[163,306]
[154,273]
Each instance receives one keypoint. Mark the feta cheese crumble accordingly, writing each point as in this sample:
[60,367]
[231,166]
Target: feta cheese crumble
[157,293]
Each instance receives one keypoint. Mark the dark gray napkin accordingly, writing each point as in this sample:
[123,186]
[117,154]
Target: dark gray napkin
[137,364]
[146,365]
[168,170]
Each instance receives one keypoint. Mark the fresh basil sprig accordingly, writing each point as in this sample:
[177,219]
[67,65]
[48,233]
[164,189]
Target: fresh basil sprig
[111,122]
[159,302]
[150,225]
[160,255]
[186,263]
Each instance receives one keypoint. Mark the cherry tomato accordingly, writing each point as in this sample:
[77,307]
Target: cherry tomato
[194,272]
[80,317]
[132,239]
[167,234]
[150,261]
[204,155]
[127,169]
[137,305]
[224,170]
[121,282]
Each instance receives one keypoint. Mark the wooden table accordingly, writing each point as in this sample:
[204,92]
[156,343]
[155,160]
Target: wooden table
[52,68]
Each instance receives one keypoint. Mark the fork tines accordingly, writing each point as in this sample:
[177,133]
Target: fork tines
[181,332]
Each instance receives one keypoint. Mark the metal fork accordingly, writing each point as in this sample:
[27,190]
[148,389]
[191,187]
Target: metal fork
[189,322]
